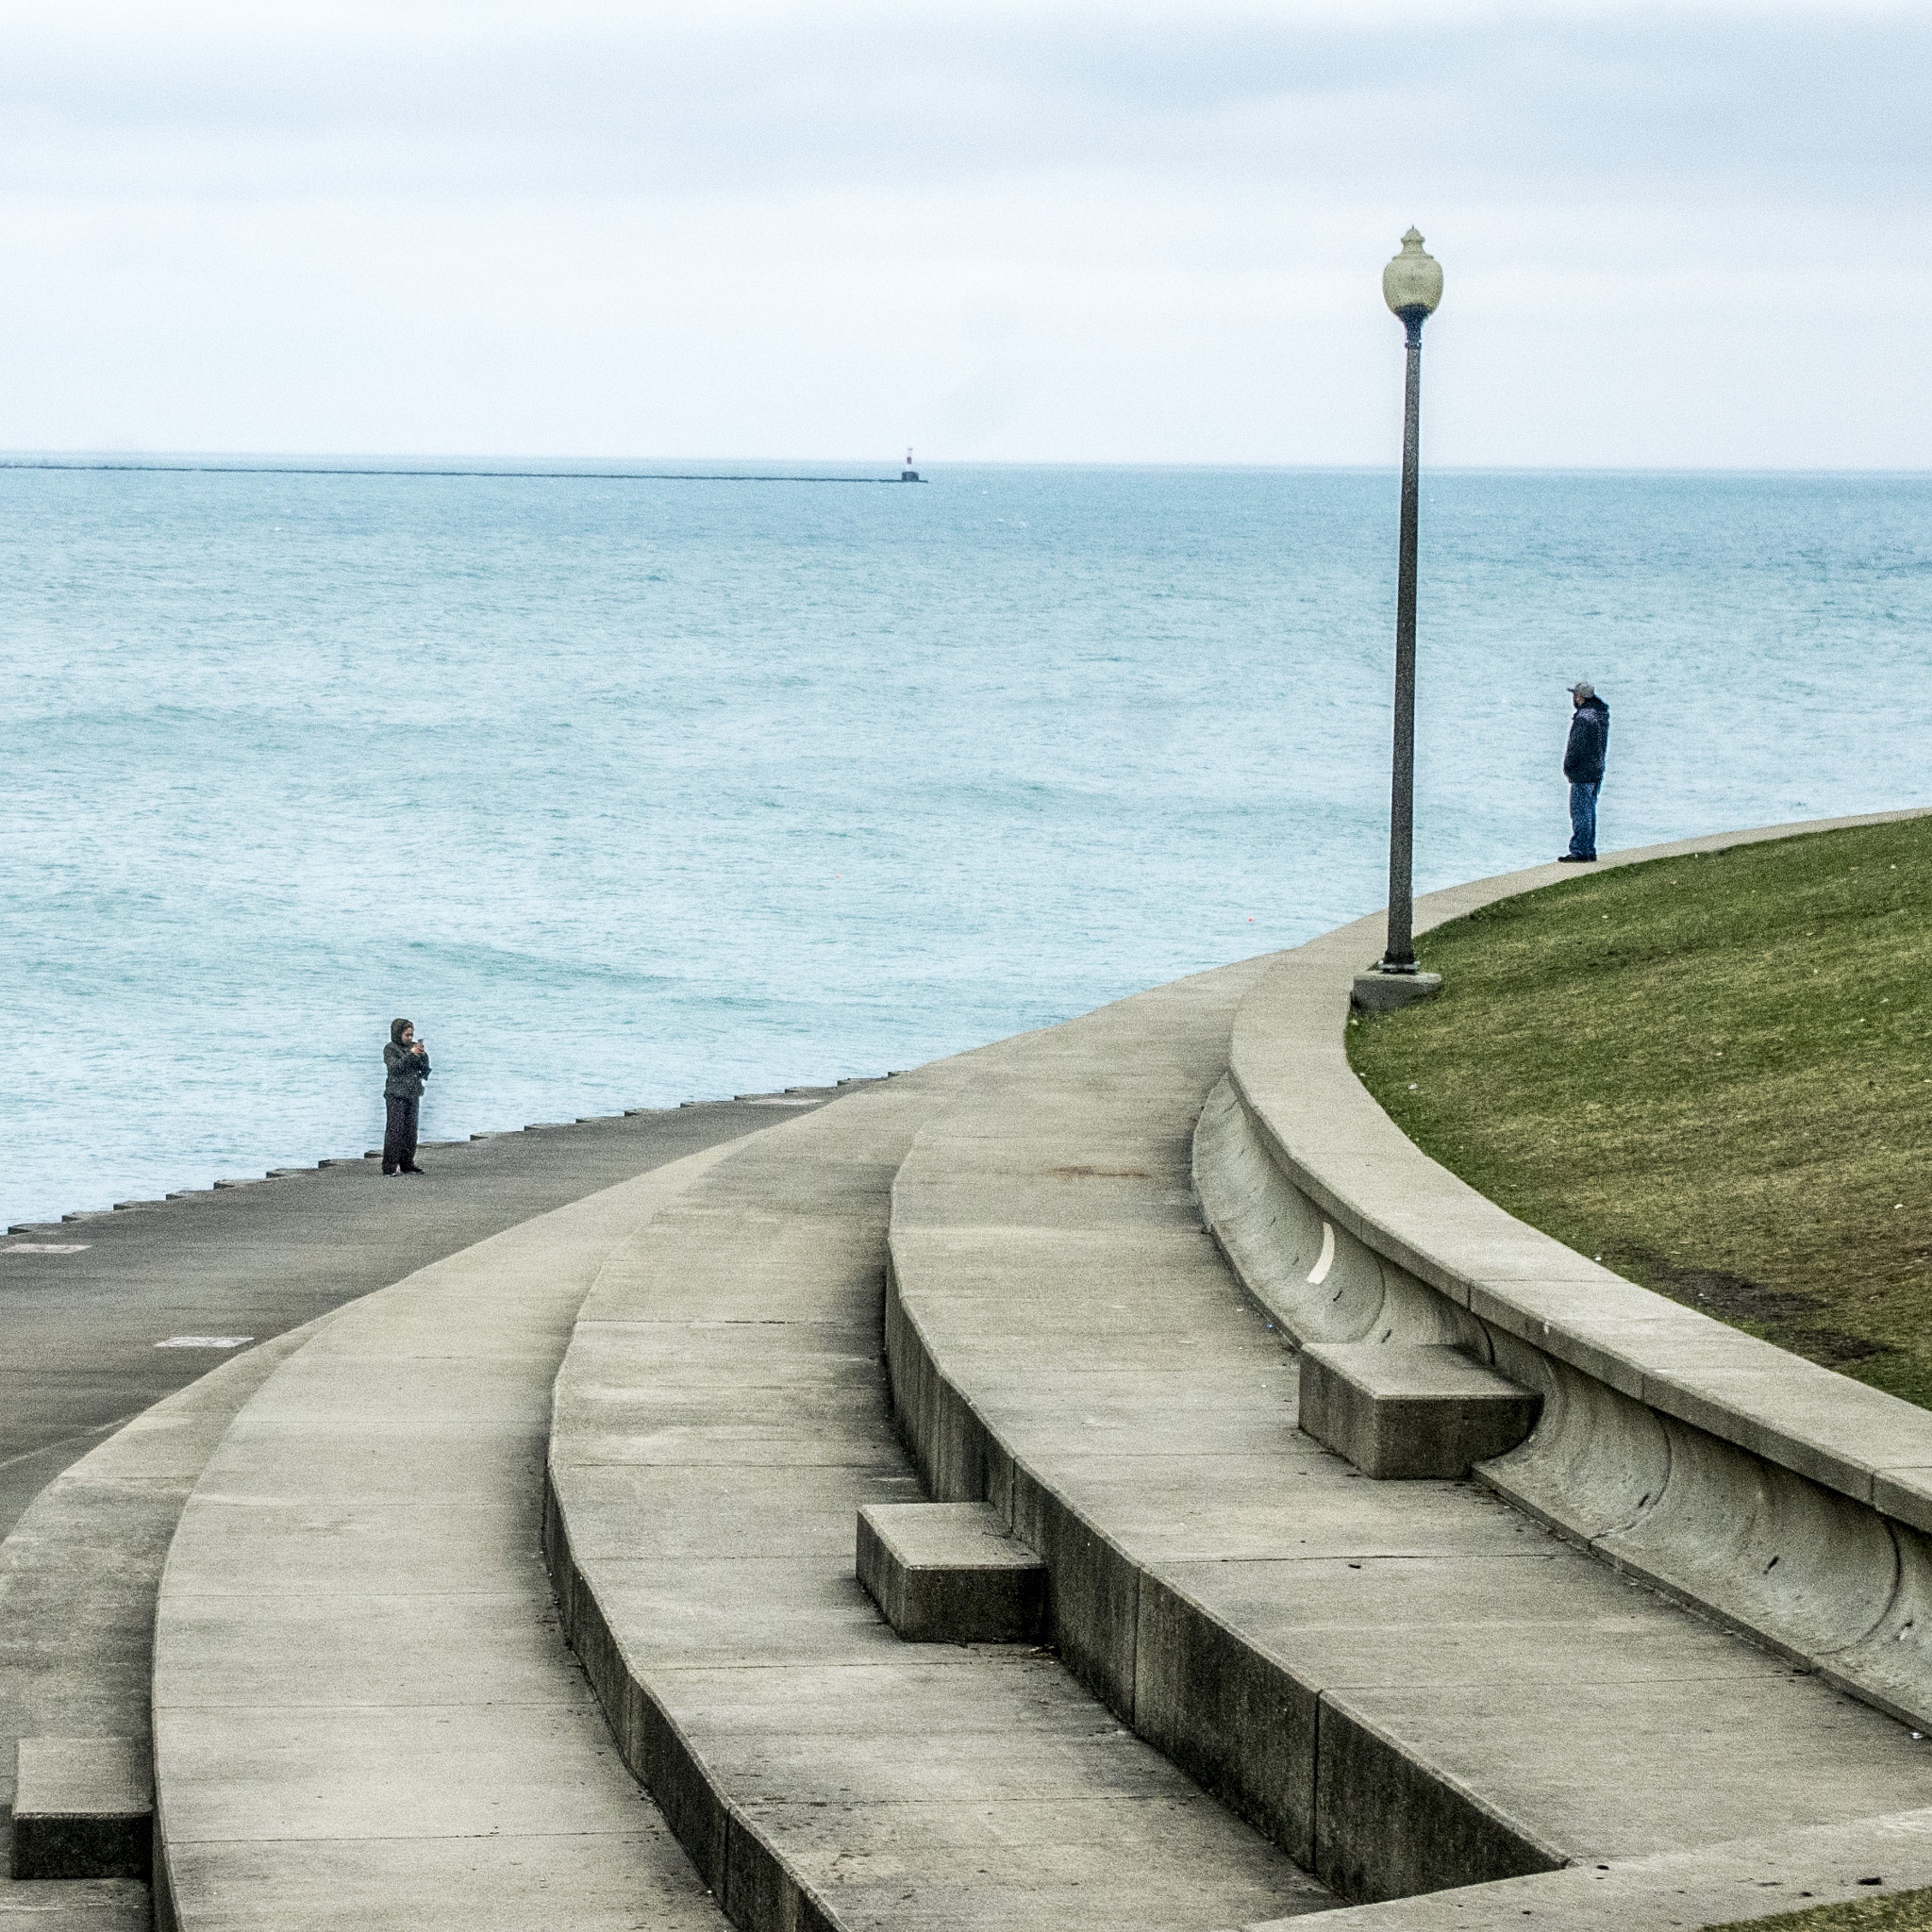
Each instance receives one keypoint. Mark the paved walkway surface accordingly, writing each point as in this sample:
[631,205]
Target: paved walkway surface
[365,1715]
[720,1418]
[55,1905]
[1047,1248]
[79,1329]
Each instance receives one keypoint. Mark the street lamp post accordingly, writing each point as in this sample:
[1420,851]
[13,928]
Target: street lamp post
[1412,287]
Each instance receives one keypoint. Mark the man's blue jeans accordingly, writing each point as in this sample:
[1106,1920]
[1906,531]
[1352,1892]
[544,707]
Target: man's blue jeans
[1583,819]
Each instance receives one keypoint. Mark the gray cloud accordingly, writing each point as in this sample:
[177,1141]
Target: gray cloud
[1685,235]
[1820,103]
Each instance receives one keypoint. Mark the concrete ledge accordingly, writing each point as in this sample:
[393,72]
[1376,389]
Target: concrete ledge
[1366,1815]
[83,1808]
[1064,1345]
[1410,1412]
[1747,1878]
[1390,1822]
[1786,1499]
[950,1572]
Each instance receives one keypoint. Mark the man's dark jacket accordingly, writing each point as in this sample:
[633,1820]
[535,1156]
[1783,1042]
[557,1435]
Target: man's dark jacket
[1590,739]
[407,1070]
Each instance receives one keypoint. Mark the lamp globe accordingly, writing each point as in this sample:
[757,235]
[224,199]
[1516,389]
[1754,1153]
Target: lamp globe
[1412,283]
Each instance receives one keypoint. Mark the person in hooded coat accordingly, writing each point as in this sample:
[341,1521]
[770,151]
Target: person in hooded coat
[406,1066]
[1583,765]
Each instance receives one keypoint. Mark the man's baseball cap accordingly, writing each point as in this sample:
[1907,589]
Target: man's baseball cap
[1583,688]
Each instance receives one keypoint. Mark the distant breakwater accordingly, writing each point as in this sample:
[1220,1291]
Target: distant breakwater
[485,475]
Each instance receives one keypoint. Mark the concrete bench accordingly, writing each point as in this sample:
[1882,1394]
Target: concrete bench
[83,1808]
[1410,1412]
[950,1572]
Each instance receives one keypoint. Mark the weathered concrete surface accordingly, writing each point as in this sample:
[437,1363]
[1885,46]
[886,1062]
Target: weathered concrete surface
[57,1905]
[1751,1879]
[1406,1413]
[950,1572]
[719,1419]
[77,1330]
[1784,1499]
[1409,1686]
[83,1808]
[364,1711]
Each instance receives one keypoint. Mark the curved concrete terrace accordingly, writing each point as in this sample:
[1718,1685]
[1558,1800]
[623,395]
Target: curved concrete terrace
[719,1419]
[1785,1499]
[363,1711]
[83,1304]
[240,1758]
[1409,1685]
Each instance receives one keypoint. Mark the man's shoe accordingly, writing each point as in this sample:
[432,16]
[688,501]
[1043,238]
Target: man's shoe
[1577,859]
[412,1170]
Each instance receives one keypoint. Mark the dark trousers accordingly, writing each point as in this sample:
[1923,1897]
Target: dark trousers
[1583,820]
[399,1138]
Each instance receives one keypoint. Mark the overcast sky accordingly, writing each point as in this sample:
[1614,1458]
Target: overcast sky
[1680,236]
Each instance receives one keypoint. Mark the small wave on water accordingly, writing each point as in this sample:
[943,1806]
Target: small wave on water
[632,791]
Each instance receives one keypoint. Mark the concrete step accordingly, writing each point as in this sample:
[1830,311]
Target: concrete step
[1399,1411]
[720,1419]
[364,1712]
[1407,1685]
[950,1572]
[83,1808]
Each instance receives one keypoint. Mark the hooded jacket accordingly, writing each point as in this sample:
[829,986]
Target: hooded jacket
[405,1068]
[1589,740]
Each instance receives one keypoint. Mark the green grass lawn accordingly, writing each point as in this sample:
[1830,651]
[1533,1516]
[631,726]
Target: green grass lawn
[1715,1074]
[1904,1912]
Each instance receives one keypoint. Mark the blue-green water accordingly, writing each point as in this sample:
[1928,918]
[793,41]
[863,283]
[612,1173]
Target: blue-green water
[628,792]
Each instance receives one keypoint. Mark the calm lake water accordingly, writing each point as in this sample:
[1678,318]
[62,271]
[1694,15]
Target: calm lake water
[635,791]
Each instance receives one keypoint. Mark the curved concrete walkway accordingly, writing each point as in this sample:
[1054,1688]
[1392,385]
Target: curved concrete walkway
[720,1418]
[1407,1684]
[85,1301]
[364,1712]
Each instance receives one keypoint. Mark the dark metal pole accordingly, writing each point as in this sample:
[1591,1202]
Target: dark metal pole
[1400,957]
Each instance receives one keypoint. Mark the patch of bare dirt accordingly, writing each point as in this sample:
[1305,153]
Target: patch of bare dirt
[1792,1317]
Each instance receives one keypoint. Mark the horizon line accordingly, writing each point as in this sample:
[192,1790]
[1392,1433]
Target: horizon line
[576,469]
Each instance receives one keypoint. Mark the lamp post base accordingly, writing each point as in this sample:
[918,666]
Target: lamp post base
[1377,992]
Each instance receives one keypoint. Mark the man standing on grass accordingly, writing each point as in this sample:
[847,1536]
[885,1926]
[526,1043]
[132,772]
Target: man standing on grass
[1583,765]
[406,1066]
